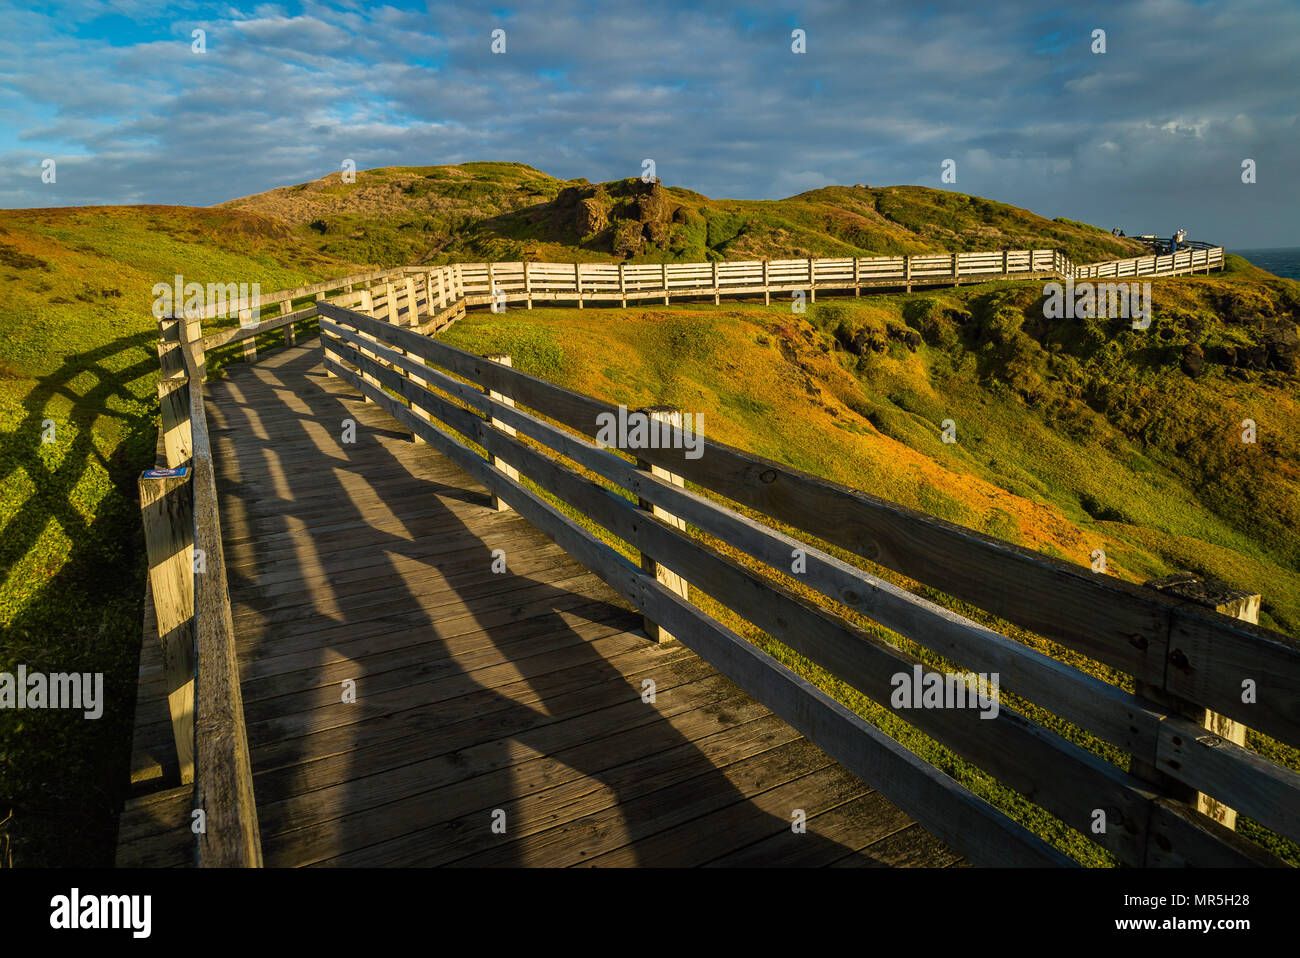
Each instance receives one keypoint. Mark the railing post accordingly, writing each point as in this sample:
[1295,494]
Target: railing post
[767,286]
[662,574]
[1005,269]
[412,310]
[812,280]
[663,272]
[430,308]
[956,269]
[167,513]
[173,394]
[510,471]
[492,286]
[192,333]
[528,286]
[368,307]
[622,286]
[286,307]
[1233,602]
[716,295]
[390,303]
[416,409]
[577,281]
[857,277]
[250,344]
[907,270]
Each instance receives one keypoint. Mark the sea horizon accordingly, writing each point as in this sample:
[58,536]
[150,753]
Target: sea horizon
[1279,260]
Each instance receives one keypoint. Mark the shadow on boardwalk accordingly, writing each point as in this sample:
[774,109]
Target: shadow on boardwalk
[480,697]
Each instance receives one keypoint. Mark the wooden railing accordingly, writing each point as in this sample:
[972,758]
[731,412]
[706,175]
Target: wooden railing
[434,297]
[609,283]
[1171,264]
[372,327]
[1188,654]
[187,577]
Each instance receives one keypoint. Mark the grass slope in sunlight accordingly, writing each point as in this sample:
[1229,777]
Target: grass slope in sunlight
[509,211]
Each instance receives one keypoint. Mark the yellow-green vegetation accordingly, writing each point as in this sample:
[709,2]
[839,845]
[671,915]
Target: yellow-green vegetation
[509,211]
[78,421]
[1071,436]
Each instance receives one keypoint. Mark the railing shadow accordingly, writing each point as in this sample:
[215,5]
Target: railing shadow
[441,733]
[80,514]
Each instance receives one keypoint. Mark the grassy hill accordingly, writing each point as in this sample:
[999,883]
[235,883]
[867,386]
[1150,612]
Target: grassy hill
[78,366]
[508,211]
[1071,436]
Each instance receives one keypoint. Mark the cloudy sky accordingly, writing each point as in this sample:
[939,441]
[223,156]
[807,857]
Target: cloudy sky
[1149,135]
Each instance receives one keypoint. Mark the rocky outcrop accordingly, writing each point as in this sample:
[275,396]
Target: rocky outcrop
[569,196]
[656,232]
[866,339]
[592,216]
[1282,340]
[628,238]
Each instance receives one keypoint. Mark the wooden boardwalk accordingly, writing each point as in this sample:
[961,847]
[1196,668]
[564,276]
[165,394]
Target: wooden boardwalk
[476,693]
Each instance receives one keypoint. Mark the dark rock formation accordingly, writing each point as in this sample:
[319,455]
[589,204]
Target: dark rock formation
[1282,340]
[656,232]
[628,238]
[592,217]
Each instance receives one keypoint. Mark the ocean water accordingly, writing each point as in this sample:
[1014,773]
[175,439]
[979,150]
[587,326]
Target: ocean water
[1281,262]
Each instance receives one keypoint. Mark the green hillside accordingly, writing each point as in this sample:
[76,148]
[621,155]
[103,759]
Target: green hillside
[508,211]
[1071,436]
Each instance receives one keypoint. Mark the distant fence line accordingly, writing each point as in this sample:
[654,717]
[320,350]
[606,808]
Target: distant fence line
[442,293]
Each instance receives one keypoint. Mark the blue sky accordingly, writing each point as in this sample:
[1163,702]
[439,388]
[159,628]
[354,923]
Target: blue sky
[1149,135]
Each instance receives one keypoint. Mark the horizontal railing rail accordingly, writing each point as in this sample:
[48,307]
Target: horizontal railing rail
[437,296]
[187,574]
[438,391]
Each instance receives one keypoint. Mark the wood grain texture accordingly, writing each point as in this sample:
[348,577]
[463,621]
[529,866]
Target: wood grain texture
[223,772]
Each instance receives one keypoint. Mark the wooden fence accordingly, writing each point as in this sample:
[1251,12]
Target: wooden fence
[609,283]
[373,328]
[1185,653]
[187,581]
[1171,264]
[434,297]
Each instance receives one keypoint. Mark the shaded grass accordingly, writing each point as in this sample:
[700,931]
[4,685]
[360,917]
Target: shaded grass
[78,364]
